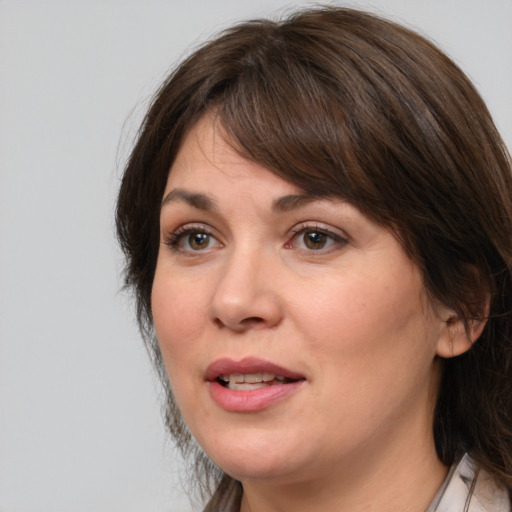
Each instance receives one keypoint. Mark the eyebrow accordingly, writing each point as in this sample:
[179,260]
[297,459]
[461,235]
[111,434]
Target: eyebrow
[204,202]
[197,200]
[292,202]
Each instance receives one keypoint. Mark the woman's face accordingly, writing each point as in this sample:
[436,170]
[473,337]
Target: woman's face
[295,331]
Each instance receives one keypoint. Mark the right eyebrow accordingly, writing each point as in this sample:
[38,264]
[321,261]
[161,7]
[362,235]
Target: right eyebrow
[199,201]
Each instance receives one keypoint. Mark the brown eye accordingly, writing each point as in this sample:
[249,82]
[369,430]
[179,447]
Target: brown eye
[198,241]
[315,239]
[192,239]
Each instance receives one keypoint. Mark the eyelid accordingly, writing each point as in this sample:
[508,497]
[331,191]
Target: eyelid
[337,236]
[173,237]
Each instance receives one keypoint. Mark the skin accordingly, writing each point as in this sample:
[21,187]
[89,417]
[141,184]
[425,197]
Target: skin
[349,312]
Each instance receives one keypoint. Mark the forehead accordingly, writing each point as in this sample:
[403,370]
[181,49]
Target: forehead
[208,159]
[204,140]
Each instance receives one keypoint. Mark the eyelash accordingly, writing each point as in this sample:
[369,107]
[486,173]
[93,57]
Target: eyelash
[176,238]
[334,238]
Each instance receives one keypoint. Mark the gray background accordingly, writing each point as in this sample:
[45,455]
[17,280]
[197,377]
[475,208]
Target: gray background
[80,429]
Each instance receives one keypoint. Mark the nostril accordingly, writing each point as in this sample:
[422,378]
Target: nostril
[252,320]
[245,323]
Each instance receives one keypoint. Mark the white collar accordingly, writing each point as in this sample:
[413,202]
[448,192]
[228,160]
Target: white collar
[468,488]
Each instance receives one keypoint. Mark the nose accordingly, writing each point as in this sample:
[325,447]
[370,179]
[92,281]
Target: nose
[246,295]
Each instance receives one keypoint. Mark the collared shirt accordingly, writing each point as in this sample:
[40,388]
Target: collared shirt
[466,488]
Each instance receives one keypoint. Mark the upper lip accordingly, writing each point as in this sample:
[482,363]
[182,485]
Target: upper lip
[226,366]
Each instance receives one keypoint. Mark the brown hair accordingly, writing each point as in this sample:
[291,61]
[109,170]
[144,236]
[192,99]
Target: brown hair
[343,103]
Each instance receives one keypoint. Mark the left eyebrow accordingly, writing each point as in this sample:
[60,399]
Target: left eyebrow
[292,202]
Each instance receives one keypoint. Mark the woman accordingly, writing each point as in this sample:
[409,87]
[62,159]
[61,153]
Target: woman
[317,221]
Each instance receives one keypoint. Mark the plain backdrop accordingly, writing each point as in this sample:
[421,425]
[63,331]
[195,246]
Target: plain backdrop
[80,425]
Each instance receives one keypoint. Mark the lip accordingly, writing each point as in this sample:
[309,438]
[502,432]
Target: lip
[247,365]
[250,400]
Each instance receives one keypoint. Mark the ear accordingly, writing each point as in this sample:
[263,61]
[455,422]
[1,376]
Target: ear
[454,340]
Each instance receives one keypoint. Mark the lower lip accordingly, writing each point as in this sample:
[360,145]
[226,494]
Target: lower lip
[251,400]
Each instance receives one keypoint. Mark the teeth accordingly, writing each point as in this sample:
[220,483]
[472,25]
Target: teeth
[259,377]
[245,386]
[248,381]
[251,378]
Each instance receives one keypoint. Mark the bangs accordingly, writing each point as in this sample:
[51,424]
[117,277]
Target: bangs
[298,132]
[325,115]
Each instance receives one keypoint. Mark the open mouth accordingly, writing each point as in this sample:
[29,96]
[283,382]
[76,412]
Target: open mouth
[250,381]
[250,384]
[249,374]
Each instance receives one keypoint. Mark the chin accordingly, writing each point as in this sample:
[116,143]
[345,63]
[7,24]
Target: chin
[262,469]
[253,456]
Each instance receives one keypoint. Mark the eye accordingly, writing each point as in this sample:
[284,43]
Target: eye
[197,241]
[314,239]
[192,239]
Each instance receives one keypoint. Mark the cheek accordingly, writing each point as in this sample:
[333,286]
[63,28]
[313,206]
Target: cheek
[178,315]
[375,343]
[368,320]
